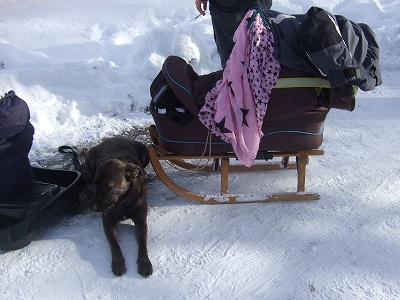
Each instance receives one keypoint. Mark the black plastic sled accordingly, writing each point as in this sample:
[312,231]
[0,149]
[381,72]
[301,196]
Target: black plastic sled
[52,192]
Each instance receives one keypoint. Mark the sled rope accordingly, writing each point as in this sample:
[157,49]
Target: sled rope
[202,156]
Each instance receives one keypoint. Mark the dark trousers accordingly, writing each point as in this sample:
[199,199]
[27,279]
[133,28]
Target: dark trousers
[226,17]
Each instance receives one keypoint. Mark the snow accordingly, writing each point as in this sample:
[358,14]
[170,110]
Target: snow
[85,68]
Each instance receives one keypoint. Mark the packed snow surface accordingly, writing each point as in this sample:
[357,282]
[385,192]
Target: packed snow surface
[85,67]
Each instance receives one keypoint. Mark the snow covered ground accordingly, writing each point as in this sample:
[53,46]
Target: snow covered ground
[85,67]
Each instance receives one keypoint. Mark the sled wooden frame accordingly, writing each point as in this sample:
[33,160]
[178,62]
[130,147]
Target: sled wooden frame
[221,164]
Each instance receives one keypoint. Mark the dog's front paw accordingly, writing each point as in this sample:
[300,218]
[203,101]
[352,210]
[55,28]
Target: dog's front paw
[145,267]
[118,266]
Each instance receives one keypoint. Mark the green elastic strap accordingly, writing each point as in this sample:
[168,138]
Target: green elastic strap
[301,82]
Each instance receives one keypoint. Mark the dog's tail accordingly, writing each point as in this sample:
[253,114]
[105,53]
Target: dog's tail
[70,150]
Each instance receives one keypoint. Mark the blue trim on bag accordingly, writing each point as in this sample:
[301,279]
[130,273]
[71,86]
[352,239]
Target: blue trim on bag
[224,143]
[294,131]
[182,87]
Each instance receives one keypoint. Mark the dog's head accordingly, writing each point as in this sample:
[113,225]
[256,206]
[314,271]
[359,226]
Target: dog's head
[112,181]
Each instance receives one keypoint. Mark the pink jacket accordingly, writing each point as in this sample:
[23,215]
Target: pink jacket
[234,109]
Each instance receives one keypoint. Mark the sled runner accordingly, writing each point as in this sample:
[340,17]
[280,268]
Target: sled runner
[221,164]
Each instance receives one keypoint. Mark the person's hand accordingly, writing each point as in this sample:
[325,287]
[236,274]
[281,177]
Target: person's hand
[201,6]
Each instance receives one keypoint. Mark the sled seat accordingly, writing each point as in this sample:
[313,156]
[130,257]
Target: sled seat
[293,127]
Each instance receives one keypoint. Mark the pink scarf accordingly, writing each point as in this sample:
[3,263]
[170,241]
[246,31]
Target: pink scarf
[234,109]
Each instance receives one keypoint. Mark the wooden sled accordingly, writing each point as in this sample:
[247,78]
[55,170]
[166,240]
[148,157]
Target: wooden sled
[293,126]
[222,165]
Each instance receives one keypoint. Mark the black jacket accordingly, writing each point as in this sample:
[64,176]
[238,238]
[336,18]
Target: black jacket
[16,137]
[330,46]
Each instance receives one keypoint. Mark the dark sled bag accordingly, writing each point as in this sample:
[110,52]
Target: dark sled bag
[294,119]
[16,137]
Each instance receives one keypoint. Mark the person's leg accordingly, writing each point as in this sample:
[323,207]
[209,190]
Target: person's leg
[224,26]
[226,17]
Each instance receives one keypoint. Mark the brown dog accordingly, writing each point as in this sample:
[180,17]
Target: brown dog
[116,168]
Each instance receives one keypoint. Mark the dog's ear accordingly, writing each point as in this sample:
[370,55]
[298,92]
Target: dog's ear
[132,171]
[144,155]
[99,162]
[90,164]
